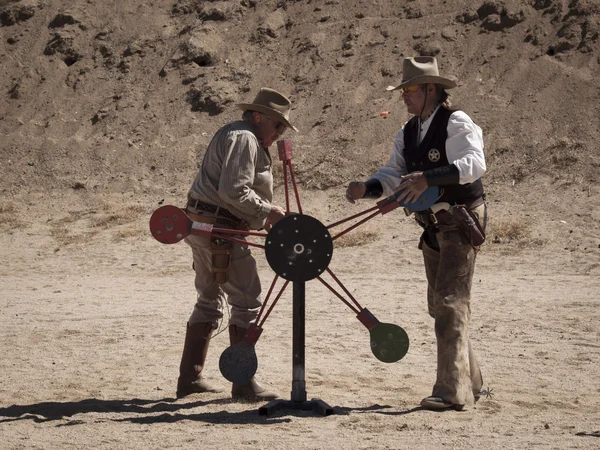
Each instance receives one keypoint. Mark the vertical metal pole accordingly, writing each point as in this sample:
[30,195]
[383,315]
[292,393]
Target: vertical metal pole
[298,344]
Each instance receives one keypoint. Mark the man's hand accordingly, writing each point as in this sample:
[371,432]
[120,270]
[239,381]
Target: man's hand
[277,213]
[355,190]
[412,187]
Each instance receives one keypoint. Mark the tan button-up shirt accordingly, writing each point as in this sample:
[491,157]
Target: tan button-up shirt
[236,174]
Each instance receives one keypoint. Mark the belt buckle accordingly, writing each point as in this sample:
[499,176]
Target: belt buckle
[433,219]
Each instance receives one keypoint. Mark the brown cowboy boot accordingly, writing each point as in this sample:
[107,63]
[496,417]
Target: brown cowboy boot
[197,338]
[251,391]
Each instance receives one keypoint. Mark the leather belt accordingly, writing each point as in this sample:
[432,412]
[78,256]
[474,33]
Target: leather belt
[472,204]
[213,214]
[428,218]
[200,218]
[201,206]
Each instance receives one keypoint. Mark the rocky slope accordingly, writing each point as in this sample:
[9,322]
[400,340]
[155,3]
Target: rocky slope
[121,97]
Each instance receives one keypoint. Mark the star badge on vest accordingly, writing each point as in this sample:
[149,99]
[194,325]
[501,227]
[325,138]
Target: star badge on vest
[434,155]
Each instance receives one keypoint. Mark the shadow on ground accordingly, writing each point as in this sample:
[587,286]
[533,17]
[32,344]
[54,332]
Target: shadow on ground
[166,410]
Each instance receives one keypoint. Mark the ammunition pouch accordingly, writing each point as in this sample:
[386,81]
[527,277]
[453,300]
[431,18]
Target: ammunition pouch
[220,250]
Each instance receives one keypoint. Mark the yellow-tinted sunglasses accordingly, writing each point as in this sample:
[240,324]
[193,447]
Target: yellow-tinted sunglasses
[410,89]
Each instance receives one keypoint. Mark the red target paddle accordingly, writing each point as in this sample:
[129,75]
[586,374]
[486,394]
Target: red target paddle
[170,224]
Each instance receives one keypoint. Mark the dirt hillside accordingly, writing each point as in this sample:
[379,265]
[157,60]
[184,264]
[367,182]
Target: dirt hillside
[121,98]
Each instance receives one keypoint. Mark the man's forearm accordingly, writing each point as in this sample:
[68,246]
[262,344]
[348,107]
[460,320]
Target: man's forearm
[374,188]
[442,176]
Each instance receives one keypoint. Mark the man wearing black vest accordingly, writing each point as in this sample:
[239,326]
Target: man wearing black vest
[440,147]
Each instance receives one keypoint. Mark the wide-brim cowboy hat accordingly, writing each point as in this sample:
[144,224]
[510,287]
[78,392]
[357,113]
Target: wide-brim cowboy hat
[422,70]
[272,103]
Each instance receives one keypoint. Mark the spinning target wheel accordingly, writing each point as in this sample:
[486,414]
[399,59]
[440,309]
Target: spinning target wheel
[298,248]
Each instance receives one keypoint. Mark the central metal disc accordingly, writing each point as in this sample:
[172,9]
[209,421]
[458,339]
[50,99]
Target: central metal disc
[299,248]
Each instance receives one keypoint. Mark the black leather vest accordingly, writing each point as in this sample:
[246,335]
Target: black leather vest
[432,153]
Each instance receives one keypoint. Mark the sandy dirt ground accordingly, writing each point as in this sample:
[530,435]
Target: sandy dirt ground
[92,334]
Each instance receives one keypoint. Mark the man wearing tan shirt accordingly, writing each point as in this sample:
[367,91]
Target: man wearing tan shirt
[233,189]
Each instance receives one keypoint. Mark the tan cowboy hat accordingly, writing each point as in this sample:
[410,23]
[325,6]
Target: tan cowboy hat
[272,103]
[422,70]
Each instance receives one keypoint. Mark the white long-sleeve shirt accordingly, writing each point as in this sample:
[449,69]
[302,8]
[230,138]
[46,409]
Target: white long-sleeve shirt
[464,149]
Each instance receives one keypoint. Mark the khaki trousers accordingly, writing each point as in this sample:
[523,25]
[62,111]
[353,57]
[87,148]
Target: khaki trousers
[449,277]
[242,289]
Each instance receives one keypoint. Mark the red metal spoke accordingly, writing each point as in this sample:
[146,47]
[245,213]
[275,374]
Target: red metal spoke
[266,300]
[353,217]
[295,186]
[338,295]
[274,302]
[344,288]
[241,241]
[242,232]
[354,226]
[285,184]
[284,149]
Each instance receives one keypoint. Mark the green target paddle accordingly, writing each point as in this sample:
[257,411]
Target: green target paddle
[389,342]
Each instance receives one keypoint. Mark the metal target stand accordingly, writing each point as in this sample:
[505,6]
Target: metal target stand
[298,248]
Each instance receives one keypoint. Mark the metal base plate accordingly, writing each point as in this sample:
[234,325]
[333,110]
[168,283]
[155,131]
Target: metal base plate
[315,404]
